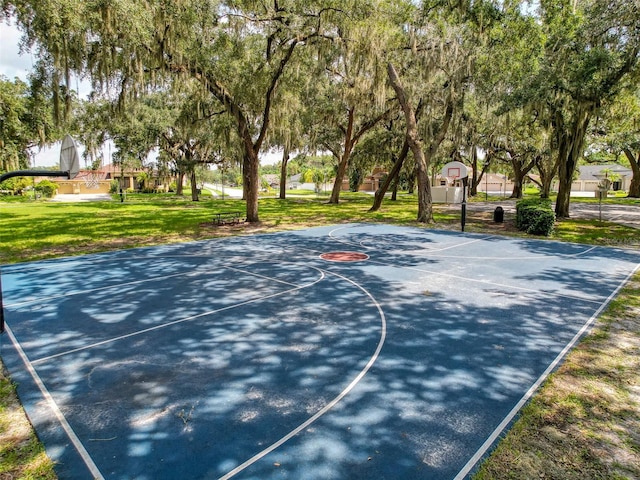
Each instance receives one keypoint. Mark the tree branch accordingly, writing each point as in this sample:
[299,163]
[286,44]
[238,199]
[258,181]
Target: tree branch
[369,124]
[270,92]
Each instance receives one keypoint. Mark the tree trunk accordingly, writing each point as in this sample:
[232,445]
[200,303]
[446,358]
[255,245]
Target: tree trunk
[546,176]
[179,182]
[411,182]
[517,188]
[251,183]
[194,186]
[570,145]
[393,176]
[344,161]
[250,161]
[521,169]
[475,178]
[394,189]
[351,138]
[634,186]
[283,173]
[425,205]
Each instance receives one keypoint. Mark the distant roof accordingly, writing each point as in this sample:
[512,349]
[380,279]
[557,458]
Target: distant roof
[112,167]
[271,177]
[589,172]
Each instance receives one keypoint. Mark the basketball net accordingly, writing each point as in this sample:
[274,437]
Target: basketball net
[92,181]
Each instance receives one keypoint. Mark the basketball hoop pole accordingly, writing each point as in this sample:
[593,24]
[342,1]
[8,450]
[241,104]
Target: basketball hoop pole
[25,173]
[34,173]
[1,308]
[458,170]
[463,216]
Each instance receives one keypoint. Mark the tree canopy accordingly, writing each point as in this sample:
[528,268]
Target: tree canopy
[26,122]
[514,78]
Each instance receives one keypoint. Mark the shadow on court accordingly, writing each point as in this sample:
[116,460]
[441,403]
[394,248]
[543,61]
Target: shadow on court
[252,358]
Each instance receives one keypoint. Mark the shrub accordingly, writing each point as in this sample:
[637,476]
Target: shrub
[46,187]
[17,185]
[535,216]
[542,223]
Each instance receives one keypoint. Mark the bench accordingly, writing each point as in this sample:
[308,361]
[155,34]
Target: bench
[227,218]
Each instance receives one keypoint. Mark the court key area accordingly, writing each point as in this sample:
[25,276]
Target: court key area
[358,351]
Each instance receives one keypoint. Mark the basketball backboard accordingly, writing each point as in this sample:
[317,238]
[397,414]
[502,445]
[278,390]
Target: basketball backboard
[69,158]
[455,170]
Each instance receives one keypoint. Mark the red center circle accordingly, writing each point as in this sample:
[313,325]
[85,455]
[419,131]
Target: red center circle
[344,256]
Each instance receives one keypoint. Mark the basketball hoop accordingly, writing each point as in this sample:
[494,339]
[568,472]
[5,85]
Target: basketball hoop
[458,170]
[451,180]
[92,180]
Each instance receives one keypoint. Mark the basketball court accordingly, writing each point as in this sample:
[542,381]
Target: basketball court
[356,351]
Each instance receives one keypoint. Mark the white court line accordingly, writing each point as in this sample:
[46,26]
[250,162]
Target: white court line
[344,242]
[86,458]
[261,276]
[525,398]
[332,403]
[429,251]
[175,322]
[490,283]
[138,282]
[362,245]
[107,287]
[528,257]
[458,245]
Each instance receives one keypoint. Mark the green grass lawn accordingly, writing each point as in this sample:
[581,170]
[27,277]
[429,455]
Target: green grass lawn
[45,229]
[582,424]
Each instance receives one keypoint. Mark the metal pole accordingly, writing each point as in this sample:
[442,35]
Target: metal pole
[463,216]
[600,205]
[1,307]
[486,186]
[34,173]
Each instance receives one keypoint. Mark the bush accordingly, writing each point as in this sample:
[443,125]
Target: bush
[524,208]
[47,188]
[535,216]
[17,185]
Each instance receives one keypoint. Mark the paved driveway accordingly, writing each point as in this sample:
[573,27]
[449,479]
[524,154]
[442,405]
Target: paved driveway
[628,215]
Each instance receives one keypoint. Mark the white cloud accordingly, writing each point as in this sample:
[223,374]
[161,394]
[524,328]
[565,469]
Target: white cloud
[271,157]
[47,157]
[12,63]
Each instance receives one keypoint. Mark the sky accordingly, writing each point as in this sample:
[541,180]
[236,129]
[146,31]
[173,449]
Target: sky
[13,64]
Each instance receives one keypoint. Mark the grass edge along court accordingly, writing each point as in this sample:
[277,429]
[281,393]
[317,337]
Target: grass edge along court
[583,423]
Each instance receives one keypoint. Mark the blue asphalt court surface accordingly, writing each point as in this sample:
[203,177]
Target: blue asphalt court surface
[256,358]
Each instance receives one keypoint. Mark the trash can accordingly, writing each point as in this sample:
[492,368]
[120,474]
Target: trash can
[498,215]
